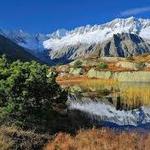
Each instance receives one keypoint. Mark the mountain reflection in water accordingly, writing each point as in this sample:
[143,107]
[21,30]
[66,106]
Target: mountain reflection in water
[121,103]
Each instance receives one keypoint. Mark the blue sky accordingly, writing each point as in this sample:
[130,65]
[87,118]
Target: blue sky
[48,15]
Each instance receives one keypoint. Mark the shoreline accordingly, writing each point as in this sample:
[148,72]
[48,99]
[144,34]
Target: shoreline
[79,79]
[128,76]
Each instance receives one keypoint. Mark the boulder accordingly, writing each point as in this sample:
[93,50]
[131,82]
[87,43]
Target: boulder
[135,76]
[52,74]
[127,65]
[63,68]
[75,88]
[112,59]
[84,62]
[76,71]
[147,65]
[92,73]
[128,76]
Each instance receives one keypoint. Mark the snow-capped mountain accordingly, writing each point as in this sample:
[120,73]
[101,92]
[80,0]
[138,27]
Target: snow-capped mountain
[88,40]
[82,40]
[100,33]
[26,40]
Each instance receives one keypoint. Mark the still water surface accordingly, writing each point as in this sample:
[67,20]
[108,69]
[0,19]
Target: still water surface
[113,104]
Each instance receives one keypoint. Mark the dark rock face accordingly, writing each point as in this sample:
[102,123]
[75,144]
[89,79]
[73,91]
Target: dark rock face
[14,51]
[120,45]
[124,45]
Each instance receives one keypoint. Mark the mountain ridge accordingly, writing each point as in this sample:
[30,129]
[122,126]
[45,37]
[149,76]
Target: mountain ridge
[132,24]
[65,44]
[14,51]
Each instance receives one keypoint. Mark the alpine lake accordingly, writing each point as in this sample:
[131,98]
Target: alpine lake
[111,104]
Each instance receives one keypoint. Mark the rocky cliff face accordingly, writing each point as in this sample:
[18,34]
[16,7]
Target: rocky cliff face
[120,37]
[124,45]
[120,45]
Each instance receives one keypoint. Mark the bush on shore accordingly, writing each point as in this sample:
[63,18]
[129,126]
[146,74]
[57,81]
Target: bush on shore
[103,65]
[27,95]
[77,64]
[140,66]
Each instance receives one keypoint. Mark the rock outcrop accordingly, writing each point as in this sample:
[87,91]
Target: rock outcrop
[134,76]
[124,45]
[127,65]
[119,45]
[139,76]
[92,73]
[76,71]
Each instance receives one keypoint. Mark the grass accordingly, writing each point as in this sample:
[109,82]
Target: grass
[130,94]
[5,142]
[77,64]
[97,82]
[102,87]
[100,139]
[133,95]
[91,139]
[84,81]
[103,65]
[136,95]
[16,138]
[142,58]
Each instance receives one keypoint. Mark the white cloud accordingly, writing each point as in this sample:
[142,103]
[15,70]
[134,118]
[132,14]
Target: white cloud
[135,11]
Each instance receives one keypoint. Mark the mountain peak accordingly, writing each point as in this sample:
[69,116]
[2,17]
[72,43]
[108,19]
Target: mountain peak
[58,33]
[100,33]
[63,39]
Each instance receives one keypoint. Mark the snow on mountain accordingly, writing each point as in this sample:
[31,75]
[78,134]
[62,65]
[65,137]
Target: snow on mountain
[33,43]
[58,34]
[85,34]
[64,43]
[100,33]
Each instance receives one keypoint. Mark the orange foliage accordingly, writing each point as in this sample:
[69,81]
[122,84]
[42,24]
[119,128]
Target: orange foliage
[100,139]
